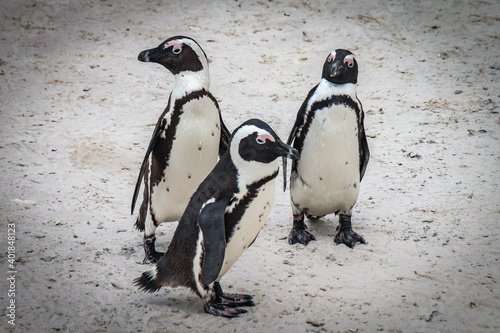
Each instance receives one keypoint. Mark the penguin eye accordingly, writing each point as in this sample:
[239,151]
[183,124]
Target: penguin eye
[176,50]
[260,141]
[350,64]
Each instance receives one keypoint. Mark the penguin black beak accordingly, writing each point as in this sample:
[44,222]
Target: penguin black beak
[284,150]
[336,69]
[151,55]
[143,56]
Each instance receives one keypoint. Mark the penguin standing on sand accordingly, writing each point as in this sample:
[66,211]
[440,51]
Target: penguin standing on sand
[188,138]
[330,137]
[223,218]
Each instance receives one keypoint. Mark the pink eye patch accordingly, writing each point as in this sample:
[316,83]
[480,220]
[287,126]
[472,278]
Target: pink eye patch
[349,61]
[176,46]
[331,57]
[265,137]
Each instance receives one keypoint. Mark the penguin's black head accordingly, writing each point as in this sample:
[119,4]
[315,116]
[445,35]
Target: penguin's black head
[254,140]
[177,54]
[340,67]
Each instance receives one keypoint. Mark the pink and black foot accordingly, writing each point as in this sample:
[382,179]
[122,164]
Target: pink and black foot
[345,233]
[227,305]
[299,233]
[151,255]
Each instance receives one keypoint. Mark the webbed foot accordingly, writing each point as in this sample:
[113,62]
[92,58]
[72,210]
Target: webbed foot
[299,233]
[223,310]
[345,233]
[227,304]
[236,300]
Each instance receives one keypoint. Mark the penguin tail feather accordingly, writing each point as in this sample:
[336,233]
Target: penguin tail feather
[148,282]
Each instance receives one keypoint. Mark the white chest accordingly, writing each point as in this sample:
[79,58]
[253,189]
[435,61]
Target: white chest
[193,155]
[328,171]
[331,142]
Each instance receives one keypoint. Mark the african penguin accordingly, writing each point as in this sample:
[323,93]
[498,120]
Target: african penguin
[223,218]
[330,136]
[185,145]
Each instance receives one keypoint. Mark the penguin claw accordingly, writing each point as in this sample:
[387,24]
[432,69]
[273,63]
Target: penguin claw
[223,310]
[300,235]
[349,238]
[236,297]
[236,300]
[153,257]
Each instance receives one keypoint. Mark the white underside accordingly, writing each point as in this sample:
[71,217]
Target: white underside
[250,225]
[327,178]
[188,166]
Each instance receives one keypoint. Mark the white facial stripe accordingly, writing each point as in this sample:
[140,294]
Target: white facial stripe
[332,56]
[246,131]
[250,171]
[350,57]
[197,49]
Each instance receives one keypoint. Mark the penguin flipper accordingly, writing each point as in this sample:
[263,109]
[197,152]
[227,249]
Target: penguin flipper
[211,222]
[160,125]
[364,152]
[225,138]
[299,122]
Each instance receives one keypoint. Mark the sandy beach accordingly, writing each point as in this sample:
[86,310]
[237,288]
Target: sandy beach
[77,110]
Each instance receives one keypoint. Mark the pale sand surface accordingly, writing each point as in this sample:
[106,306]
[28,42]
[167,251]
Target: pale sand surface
[77,111]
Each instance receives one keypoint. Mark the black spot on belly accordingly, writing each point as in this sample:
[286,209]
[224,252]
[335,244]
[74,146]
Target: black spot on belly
[199,148]
[321,178]
[346,162]
[168,190]
[213,133]
[354,185]
[189,176]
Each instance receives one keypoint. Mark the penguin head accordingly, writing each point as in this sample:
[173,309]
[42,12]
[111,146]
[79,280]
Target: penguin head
[340,67]
[256,141]
[177,54]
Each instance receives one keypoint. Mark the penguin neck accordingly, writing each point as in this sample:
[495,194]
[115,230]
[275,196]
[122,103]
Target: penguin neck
[327,89]
[186,82]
